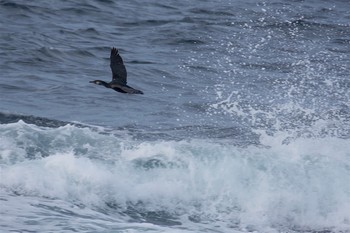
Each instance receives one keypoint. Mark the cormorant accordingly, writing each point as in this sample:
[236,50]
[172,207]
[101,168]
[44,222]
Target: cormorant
[118,82]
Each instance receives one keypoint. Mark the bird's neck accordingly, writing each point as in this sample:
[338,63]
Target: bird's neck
[103,83]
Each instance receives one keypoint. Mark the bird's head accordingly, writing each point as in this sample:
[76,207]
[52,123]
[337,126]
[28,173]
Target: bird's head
[98,82]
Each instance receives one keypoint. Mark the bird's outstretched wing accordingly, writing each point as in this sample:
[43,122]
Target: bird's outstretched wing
[118,68]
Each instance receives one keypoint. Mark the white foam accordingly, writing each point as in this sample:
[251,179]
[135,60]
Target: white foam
[303,184]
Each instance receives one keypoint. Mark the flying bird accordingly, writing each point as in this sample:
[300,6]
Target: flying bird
[119,76]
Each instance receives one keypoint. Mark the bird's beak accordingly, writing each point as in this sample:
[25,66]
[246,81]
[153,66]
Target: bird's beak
[91,82]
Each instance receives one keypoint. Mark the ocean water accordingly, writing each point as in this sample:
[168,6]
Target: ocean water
[244,125]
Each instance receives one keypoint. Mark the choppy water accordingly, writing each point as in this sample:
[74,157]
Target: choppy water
[244,125]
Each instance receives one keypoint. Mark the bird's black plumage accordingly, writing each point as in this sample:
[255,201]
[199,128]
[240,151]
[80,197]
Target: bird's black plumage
[119,75]
[118,67]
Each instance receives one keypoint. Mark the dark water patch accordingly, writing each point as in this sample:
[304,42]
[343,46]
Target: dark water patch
[81,53]
[107,2]
[161,218]
[213,12]
[180,41]
[89,31]
[9,87]
[203,68]
[341,41]
[165,6]
[147,23]
[6,118]
[141,62]
[189,41]
[80,10]
[14,6]
[158,162]
[139,213]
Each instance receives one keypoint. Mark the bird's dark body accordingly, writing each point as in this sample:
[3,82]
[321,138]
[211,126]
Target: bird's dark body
[119,90]
[119,78]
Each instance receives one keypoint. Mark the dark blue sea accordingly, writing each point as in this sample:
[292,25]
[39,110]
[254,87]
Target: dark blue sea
[244,125]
